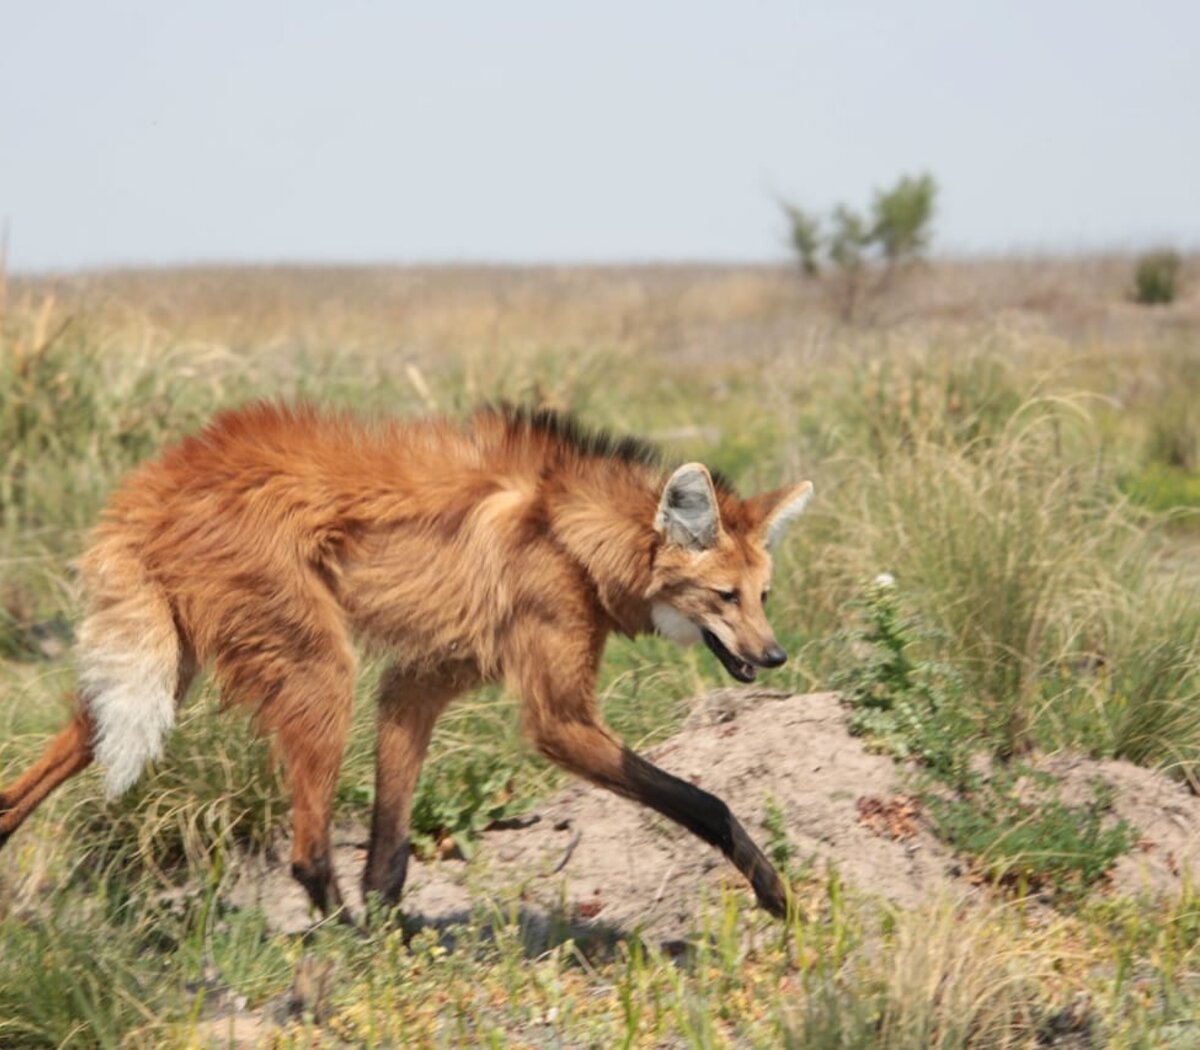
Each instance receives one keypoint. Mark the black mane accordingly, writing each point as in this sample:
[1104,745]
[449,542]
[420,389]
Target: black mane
[563,427]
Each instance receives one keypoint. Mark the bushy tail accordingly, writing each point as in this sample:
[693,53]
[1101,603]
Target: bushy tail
[129,656]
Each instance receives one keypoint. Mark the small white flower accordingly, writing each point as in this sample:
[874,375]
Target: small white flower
[885,579]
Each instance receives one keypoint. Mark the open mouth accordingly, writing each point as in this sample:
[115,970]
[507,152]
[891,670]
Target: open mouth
[737,667]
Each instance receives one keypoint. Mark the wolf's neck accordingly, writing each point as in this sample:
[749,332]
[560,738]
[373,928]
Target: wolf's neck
[604,521]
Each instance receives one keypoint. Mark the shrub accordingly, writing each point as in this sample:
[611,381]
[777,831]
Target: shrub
[1156,278]
[915,709]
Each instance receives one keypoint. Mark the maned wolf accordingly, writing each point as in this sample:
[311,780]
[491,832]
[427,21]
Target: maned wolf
[507,549]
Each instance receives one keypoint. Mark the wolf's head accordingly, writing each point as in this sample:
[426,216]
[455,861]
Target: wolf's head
[712,571]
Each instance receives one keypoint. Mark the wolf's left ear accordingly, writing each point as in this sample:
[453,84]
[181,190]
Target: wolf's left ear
[687,513]
[775,510]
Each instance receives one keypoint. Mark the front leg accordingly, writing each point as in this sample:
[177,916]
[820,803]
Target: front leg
[591,751]
[556,680]
[711,819]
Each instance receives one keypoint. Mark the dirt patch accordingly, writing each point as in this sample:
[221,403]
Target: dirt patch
[605,862]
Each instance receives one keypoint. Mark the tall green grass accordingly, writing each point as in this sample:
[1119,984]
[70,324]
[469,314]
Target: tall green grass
[1002,549]
[1040,589]
[1146,696]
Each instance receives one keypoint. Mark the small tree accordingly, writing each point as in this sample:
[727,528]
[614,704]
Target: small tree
[896,234]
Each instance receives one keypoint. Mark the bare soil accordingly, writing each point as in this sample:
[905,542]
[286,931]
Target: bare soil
[600,862]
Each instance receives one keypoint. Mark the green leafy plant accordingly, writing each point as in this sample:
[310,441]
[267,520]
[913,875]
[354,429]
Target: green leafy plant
[906,705]
[457,800]
[1034,843]
[1159,487]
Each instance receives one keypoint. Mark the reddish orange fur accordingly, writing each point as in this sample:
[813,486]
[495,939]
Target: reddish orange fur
[280,537]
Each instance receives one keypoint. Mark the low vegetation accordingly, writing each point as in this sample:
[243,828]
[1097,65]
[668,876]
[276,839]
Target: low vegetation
[917,710]
[1001,562]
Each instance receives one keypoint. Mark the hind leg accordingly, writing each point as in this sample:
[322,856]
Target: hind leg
[310,724]
[408,709]
[68,753]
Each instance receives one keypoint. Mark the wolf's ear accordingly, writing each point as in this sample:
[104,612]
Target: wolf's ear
[687,513]
[775,510]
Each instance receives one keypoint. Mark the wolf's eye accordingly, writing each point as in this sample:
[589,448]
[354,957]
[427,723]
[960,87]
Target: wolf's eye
[765,596]
[729,596]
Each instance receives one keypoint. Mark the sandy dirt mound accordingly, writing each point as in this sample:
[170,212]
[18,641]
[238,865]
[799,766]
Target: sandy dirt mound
[605,862]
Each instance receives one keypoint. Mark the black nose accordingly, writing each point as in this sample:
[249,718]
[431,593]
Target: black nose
[773,657]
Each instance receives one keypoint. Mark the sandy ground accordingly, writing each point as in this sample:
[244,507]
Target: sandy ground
[602,862]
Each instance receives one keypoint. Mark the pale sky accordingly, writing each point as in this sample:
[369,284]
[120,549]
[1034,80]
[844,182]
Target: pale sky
[139,133]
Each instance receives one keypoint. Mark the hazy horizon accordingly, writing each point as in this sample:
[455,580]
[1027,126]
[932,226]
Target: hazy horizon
[147,135]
